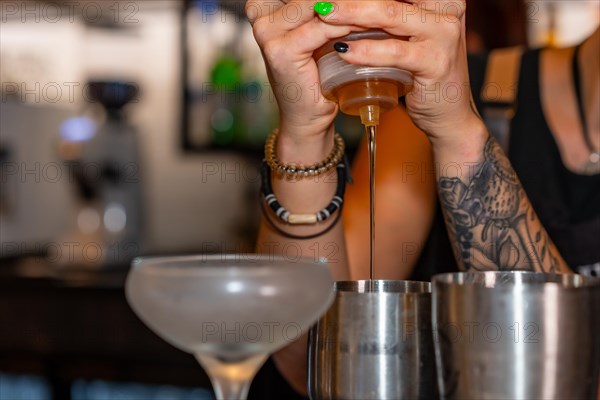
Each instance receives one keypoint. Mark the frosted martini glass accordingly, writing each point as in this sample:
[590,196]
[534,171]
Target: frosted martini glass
[230,311]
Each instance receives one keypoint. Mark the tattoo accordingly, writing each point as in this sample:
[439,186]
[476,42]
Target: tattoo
[491,222]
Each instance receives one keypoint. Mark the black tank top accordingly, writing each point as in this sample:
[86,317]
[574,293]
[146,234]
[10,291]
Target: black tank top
[568,204]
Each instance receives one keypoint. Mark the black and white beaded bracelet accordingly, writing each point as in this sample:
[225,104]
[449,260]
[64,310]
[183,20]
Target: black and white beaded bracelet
[303,219]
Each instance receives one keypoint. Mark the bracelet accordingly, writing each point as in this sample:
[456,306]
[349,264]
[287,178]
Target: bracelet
[292,171]
[303,219]
[299,237]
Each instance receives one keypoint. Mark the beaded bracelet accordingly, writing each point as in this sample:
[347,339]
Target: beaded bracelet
[292,171]
[303,219]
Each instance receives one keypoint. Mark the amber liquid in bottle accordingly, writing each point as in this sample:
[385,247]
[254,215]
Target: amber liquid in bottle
[354,95]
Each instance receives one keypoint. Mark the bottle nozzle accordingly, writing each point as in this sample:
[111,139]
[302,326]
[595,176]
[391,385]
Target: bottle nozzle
[369,115]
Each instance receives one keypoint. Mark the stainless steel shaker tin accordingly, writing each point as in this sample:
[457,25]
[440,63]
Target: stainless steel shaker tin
[375,342]
[516,335]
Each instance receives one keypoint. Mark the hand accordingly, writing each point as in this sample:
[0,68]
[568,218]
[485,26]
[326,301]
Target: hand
[440,103]
[288,32]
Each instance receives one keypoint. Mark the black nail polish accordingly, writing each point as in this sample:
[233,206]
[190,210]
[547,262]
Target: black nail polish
[341,47]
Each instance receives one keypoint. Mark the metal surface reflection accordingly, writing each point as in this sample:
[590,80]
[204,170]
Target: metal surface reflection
[375,342]
[516,335]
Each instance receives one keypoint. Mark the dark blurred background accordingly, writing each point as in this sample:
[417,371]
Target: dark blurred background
[133,128]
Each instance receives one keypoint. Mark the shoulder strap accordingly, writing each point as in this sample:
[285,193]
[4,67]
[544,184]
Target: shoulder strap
[499,92]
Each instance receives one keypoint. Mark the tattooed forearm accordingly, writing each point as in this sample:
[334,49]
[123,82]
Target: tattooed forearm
[491,222]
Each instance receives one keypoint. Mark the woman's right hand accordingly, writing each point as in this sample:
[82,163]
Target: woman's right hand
[288,32]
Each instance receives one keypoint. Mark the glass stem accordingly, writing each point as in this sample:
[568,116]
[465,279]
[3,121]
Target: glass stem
[231,380]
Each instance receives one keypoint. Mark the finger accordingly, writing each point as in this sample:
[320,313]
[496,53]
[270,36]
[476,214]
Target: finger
[278,21]
[405,55]
[298,45]
[395,17]
[317,33]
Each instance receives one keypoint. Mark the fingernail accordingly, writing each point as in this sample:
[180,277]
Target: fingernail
[323,7]
[341,47]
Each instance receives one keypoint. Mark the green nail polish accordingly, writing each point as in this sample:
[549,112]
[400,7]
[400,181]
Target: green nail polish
[323,7]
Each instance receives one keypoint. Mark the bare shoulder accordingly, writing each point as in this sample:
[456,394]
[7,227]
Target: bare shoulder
[559,105]
[555,70]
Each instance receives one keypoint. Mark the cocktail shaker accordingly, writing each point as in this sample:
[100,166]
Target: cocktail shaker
[375,342]
[516,335]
